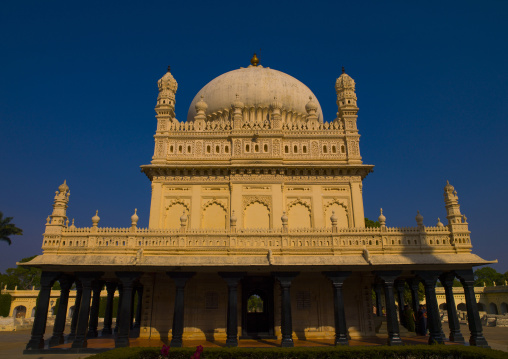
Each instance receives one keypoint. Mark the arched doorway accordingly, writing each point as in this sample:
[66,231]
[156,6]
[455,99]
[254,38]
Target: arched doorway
[492,308]
[481,307]
[257,307]
[19,312]
[462,307]
[504,308]
[442,306]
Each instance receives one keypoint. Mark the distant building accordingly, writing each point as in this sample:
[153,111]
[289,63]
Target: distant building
[256,228]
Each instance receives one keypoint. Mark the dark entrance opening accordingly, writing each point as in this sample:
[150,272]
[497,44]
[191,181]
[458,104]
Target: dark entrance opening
[257,307]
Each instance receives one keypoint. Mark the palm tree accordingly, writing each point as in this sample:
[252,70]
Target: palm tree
[7,228]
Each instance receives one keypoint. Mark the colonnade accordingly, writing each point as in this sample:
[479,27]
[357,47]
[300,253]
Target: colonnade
[393,286]
[84,321]
[85,318]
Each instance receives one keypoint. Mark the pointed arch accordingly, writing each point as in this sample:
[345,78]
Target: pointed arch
[173,211]
[299,214]
[341,212]
[214,215]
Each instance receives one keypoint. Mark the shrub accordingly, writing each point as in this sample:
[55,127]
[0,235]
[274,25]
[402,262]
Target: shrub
[372,352]
[5,304]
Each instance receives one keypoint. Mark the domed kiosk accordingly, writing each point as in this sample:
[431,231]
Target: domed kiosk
[256,230]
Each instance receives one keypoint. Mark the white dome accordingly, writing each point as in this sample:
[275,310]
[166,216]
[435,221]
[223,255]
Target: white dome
[256,86]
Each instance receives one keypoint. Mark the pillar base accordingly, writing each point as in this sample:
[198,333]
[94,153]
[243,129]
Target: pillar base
[79,343]
[479,341]
[56,340]
[457,338]
[176,343]
[342,340]
[395,340]
[287,343]
[35,344]
[232,342]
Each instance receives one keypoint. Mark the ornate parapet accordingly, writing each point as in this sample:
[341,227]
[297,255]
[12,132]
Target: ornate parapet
[302,241]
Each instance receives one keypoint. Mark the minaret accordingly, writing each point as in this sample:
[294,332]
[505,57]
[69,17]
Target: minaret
[456,221]
[165,110]
[59,216]
[347,114]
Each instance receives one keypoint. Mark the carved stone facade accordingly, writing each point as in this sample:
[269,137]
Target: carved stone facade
[253,194]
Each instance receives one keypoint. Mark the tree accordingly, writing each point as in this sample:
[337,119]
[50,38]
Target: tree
[488,276]
[22,277]
[8,229]
[369,223]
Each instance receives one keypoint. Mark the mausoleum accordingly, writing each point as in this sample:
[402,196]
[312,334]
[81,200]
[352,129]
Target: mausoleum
[256,230]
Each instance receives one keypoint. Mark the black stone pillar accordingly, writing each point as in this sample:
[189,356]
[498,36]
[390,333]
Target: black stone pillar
[108,315]
[75,313]
[473,317]
[337,279]
[180,279]
[379,305]
[41,313]
[446,280]
[86,279]
[59,327]
[124,310]
[94,311]
[429,279]
[137,321]
[120,300]
[388,278]
[399,287]
[232,279]
[286,322]
[414,284]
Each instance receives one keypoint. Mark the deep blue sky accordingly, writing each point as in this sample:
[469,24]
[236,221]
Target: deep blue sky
[78,88]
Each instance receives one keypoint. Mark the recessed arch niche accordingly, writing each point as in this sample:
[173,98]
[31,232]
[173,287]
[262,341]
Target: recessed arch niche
[341,213]
[214,216]
[299,215]
[174,211]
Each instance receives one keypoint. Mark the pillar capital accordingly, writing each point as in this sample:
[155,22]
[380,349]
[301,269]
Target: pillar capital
[337,277]
[232,278]
[388,277]
[180,278]
[285,278]
[127,278]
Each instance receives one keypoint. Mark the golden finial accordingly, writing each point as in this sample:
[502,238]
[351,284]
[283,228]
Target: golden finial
[254,61]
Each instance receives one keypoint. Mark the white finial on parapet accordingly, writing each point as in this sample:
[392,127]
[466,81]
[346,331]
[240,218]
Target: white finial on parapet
[381,218]
[134,218]
[96,219]
[439,224]
[334,220]
[183,221]
[419,219]
[284,219]
[232,221]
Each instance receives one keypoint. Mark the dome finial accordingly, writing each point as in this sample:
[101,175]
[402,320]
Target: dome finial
[343,70]
[169,68]
[254,61]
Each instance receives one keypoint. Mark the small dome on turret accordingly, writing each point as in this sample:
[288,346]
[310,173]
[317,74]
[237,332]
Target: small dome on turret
[344,81]
[167,82]
[381,218]
[311,106]
[201,105]
[449,188]
[134,217]
[63,187]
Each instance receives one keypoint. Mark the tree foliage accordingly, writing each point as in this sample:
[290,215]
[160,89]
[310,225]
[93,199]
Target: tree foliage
[488,276]
[8,229]
[370,223]
[22,277]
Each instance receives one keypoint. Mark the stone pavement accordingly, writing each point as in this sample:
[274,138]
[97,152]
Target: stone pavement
[13,343]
